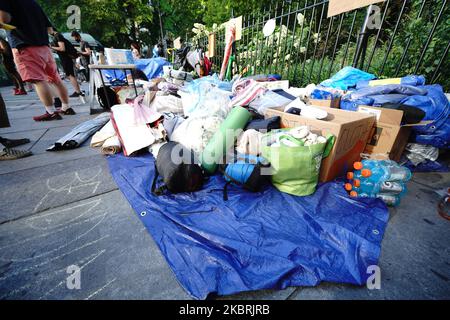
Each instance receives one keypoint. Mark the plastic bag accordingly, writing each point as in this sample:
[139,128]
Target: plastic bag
[167,103]
[346,78]
[195,133]
[418,153]
[203,98]
[267,100]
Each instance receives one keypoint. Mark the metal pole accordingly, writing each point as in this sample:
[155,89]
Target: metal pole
[361,45]
[163,41]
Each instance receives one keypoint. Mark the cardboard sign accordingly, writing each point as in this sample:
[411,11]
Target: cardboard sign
[211,45]
[336,7]
[237,22]
[119,56]
[177,43]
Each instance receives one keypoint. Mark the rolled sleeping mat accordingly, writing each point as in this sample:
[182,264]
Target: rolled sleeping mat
[224,138]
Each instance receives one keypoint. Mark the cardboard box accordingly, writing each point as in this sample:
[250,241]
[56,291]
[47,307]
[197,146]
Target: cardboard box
[351,130]
[330,103]
[389,138]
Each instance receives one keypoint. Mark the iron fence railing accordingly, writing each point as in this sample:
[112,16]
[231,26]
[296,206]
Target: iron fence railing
[389,39]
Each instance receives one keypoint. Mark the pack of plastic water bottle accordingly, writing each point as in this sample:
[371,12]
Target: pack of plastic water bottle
[384,179]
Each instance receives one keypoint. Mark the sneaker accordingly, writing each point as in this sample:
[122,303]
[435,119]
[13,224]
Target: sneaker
[68,112]
[76,94]
[20,92]
[48,117]
[11,143]
[13,154]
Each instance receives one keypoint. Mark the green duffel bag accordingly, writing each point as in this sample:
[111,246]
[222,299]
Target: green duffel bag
[295,170]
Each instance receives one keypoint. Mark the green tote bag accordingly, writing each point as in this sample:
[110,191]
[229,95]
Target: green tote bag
[295,169]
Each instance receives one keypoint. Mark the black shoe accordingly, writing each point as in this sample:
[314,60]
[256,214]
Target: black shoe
[68,112]
[11,143]
[76,94]
[13,154]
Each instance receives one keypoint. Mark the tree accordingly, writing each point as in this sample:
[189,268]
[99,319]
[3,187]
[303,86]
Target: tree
[115,23]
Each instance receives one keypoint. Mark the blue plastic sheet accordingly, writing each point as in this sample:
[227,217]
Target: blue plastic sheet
[346,78]
[263,240]
[152,68]
[411,80]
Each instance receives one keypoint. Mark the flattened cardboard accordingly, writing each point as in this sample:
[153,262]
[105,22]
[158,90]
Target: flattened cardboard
[336,7]
[351,130]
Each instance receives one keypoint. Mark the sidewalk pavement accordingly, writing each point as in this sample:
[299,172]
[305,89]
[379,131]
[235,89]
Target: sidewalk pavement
[63,208]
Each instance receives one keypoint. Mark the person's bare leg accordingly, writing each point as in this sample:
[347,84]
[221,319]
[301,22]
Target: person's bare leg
[63,95]
[62,92]
[44,92]
[75,84]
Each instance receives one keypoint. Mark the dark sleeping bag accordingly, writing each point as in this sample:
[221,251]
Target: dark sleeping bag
[178,169]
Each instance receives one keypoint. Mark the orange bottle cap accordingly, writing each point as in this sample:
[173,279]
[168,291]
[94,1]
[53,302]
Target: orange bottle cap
[358,165]
[353,194]
[366,173]
[348,186]
[350,175]
[357,183]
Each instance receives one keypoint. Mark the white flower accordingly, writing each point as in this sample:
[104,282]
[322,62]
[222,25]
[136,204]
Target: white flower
[283,31]
[287,57]
[302,49]
[300,19]
[316,37]
[199,26]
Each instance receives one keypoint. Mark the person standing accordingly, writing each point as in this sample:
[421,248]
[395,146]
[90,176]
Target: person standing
[32,55]
[85,52]
[8,62]
[67,53]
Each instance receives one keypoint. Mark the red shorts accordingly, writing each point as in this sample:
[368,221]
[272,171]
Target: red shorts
[36,64]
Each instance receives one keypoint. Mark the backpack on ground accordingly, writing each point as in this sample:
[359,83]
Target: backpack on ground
[176,165]
[107,97]
[245,171]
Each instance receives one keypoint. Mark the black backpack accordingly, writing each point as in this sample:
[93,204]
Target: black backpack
[102,94]
[70,49]
[176,165]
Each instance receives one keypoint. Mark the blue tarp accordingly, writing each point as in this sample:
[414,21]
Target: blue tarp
[152,68]
[264,240]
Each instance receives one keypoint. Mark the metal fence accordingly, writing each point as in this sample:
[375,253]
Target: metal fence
[389,39]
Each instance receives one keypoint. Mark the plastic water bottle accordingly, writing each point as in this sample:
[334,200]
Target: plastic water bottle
[391,200]
[396,172]
[371,188]
[392,187]
[385,170]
